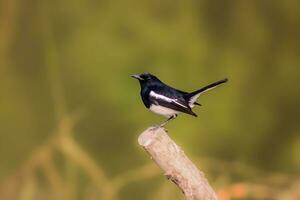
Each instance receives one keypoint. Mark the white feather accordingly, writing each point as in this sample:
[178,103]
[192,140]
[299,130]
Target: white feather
[194,98]
[168,99]
[167,112]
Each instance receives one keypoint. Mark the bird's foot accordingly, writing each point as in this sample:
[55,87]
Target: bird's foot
[157,126]
[154,127]
[168,120]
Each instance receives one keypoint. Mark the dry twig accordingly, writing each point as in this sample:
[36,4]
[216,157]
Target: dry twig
[176,165]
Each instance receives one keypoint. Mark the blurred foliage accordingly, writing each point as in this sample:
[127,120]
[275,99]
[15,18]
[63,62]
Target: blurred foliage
[57,57]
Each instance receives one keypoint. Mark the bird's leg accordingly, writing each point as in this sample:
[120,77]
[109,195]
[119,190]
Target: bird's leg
[164,123]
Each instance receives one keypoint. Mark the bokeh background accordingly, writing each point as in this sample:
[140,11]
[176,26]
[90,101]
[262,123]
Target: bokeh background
[71,115]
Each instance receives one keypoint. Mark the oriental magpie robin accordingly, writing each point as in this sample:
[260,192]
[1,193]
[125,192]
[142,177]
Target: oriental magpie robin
[167,101]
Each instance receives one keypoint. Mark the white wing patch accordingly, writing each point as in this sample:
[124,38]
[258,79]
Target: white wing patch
[168,99]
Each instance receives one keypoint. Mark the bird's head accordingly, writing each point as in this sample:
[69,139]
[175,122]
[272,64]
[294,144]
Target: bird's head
[145,78]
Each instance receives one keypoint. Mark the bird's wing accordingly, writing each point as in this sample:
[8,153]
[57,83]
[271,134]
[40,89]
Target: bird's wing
[178,104]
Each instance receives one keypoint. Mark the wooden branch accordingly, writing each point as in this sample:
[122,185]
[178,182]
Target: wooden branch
[176,165]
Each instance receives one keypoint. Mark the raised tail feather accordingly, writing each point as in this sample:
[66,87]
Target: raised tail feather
[192,97]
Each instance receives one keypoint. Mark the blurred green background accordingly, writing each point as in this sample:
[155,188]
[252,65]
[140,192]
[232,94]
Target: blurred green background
[70,113]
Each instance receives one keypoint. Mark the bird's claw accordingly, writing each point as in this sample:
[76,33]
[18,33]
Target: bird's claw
[157,126]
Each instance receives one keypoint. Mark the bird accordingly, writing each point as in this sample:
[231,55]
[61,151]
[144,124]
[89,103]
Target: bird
[167,101]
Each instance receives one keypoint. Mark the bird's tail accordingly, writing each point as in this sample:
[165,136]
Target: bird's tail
[192,97]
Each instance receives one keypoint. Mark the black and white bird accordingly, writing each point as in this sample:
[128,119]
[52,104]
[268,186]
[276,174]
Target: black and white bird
[167,101]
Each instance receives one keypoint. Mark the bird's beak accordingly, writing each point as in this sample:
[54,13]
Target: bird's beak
[137,77]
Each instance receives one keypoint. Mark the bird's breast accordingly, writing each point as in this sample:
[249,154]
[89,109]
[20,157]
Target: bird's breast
[160,110]
[145,96]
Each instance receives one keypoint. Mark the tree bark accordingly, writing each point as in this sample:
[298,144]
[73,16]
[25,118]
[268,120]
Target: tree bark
[176,165]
